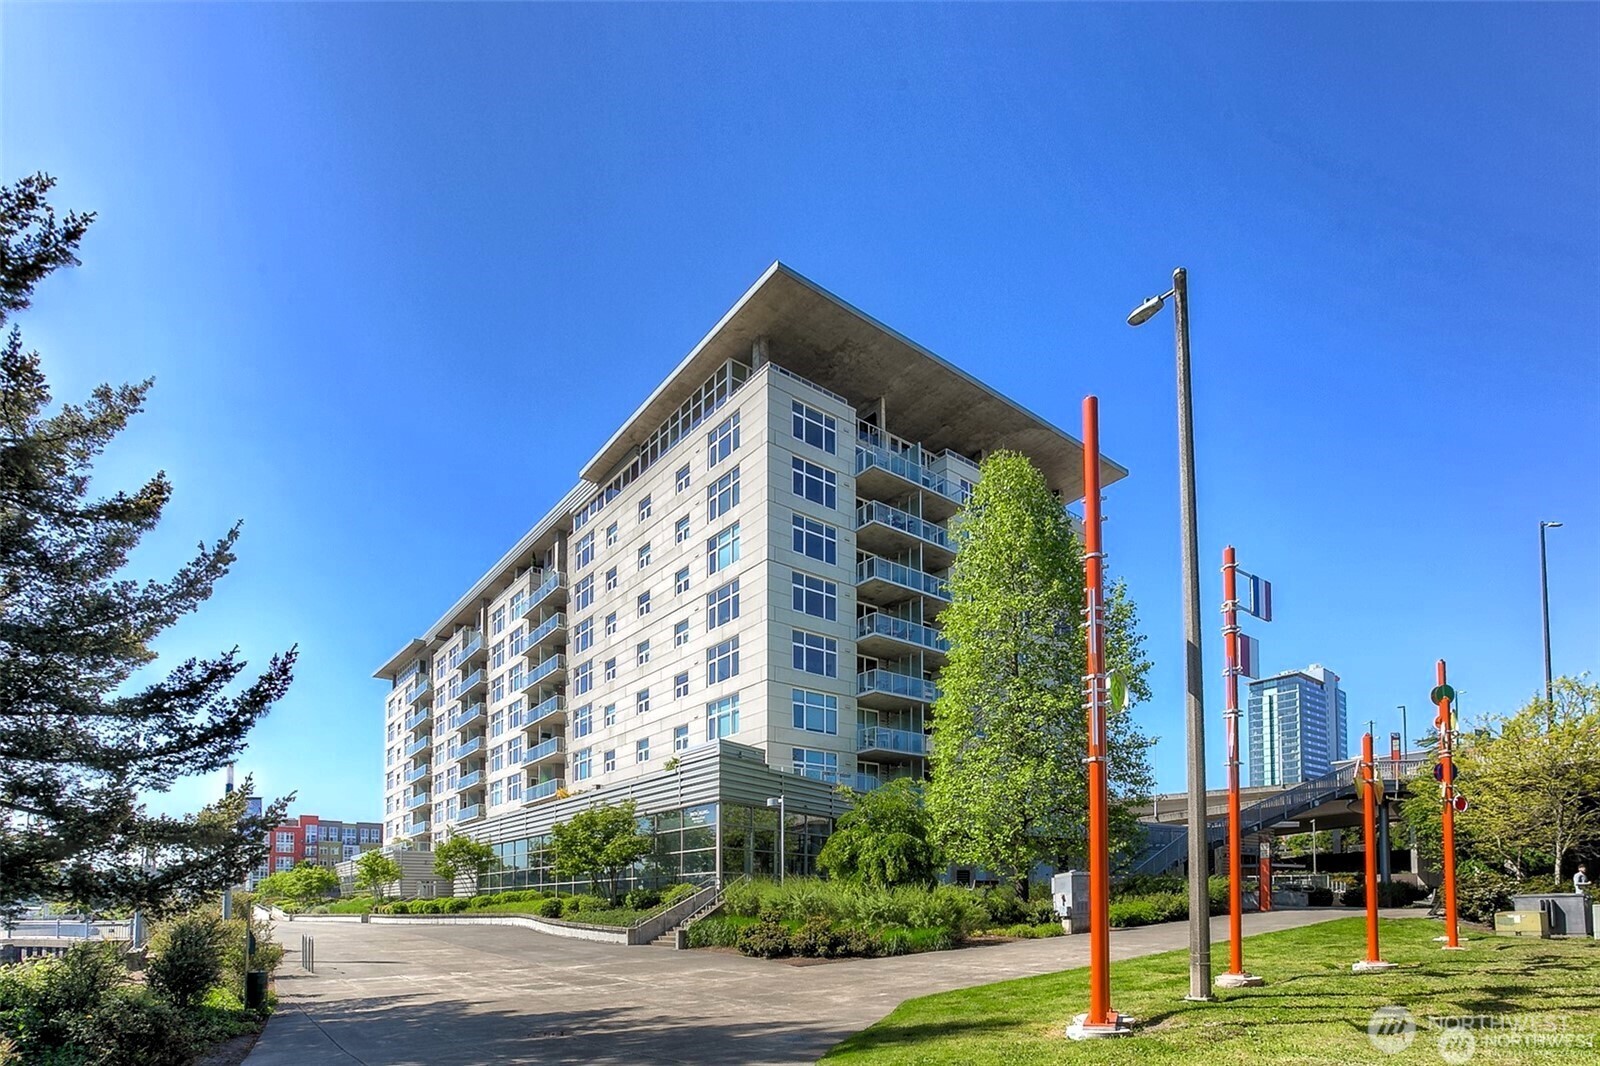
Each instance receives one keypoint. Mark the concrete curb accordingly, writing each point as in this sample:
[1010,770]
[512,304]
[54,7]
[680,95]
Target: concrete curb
[604,934]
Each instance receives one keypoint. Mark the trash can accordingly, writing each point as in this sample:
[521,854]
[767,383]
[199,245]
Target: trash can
[255,989]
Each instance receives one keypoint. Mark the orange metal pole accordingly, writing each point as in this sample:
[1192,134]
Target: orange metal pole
[1100,1012]
[1230,717]
[1446,740]
[1369,829]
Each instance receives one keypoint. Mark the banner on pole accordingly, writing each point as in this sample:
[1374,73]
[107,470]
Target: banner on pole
[1249,656]
[1255,596]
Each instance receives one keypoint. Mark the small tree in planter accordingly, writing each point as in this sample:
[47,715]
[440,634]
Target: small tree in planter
[600,843]
[374,869]
[460,855]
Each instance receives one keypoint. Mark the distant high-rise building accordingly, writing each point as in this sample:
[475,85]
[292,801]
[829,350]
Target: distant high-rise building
[1296,722]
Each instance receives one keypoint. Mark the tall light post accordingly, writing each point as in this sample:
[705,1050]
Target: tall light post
[1194,679]
[1544,597]
[1405,734]
[778,803]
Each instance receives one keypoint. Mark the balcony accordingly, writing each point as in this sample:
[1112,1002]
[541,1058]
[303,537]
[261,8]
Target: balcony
[467,716]
[543,790]
[886,689]
[417,693]
[473,682]
[470,813]
[470,781]
[412,829]
[545,635]
[552,750]
[880,580]
[884,636]
[419,800]
[422,743]
[550,709]
[554,581]
[887,529]
[880,742]
[553,669]
[417,773]
[470,748]
[469,651]
[418,717]
[884,470]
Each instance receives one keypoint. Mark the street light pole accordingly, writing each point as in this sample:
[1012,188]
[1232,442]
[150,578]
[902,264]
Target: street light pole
[1194,680]
[781,863]
[1544,597]
[1405,734]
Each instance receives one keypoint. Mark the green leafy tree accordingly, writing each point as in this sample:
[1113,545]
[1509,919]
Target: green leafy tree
[302,883]
[79,738]
[600,843]
[461,855]
[883,839]
[1008,787]
[375,870]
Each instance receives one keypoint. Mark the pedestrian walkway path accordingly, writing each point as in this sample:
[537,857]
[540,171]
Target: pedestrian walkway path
[387,995]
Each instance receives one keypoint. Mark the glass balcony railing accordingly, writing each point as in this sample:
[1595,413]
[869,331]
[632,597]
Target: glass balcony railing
[419,800]
[531,642]
[422,743]
[875,567]
[890,683]
[472,780]
[469,812]
[541,712]
[417,717]
[904,521]
[471,747]
[467,684]
[541,751]
[475,644]
[417,773]
[904,741]
[416,827]
[870,455]
[553,579]
[883,625]
[417,693]
[543,790]
[544,670]
[467,716]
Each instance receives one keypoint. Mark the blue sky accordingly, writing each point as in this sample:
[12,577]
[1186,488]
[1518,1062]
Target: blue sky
[359,246]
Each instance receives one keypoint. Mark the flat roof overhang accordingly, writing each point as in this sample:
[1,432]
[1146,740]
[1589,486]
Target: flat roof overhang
[825,340]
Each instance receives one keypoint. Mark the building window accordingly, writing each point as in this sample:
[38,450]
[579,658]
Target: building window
[816,654]
[821,765]
[583,593]
[816,540]
[514,788]
[644,509]
[812,482]
[644,556]
[497,657]
[680,530]
[680,685]
[641,653]
[815,428]
[722,441]
[681,481]
[581,768]
[514,714]
[582,720]
[497,622]
[722,550]
[583,678]
[516,677]
[611,579]
[722,494]
[282,863]
[497,723]
[516,604]
[816,712]
[611,624]
[583,636]
[286,840]
[611,535]
[680,634]
[644,604]
[641,701]
[497,688]
[814,596]
[610,670]
[722,661]
[722,604]
[680,581]
[585,554]
[497,793]
[680,738]
[722,718]
[608,762]
[609,715]
[641,750]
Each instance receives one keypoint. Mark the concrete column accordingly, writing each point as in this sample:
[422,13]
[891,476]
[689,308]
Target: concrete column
[759,355]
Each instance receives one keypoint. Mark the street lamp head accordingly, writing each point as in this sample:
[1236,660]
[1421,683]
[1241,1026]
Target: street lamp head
[775,801]
[1145,311]
[1550,525]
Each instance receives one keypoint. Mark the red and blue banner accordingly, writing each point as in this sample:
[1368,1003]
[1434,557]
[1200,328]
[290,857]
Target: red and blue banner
[1249,655]
[1255,598]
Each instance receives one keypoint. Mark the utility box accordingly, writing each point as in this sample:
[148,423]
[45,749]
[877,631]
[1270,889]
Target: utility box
[1070,893]
[1521,923]
[1567,913]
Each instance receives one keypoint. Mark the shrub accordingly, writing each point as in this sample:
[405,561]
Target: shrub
[397,907]
[862,943]
[641,899]
[1003,905]
[1149,910]
[1393,894]
[1319,897]
[816,939]
[912,941]
[1481,891]
[571,905]
[455,905]
[186,959]
[765,939]
[134,1027]
[548,908]
[678,893]
[39,999]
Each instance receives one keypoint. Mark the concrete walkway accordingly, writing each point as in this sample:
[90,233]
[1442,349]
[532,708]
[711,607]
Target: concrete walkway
[439,995]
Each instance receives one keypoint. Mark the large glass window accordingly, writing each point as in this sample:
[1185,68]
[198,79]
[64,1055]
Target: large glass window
[585,553]
[722,494]
[722,605]
[814,427]
[816,654]
[583,636]
[814,483]
[722,661]
[816,540]
[582,720]
[722,441]
[583,678]
[821,765]
[582,768]
[583,593]
[814,596]
[816,712]
[722,550]
[722,718]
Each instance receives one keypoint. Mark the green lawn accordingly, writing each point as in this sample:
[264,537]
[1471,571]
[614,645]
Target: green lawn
[1312,1009]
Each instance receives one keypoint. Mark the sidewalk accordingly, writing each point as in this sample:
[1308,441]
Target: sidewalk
[391,996]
